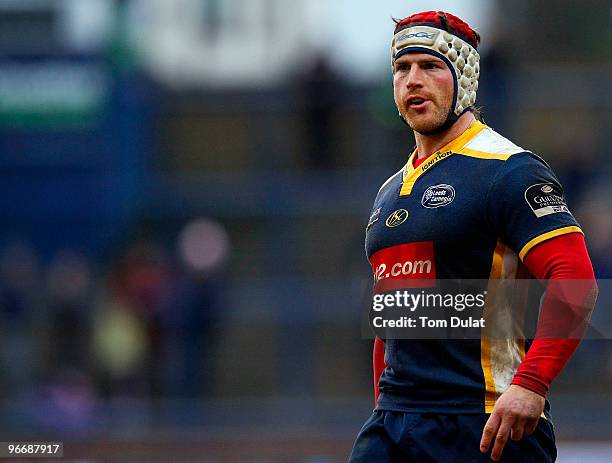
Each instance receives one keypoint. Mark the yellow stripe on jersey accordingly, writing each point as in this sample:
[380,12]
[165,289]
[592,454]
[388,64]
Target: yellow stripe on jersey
[503,351]
[411,175]
[485,361]
[546,236]
[482,155]
[502,344]
[485,341]
[521,344]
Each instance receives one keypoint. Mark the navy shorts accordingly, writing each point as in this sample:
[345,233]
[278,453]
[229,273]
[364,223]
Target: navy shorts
[391,437]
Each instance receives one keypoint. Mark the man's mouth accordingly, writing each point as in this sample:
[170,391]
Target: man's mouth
[416,102]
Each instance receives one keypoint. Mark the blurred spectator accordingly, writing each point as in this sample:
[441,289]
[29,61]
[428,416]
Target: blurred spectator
[69,286]
[190,323]
[121,348]
[19,291]
[128,333]
[321,93]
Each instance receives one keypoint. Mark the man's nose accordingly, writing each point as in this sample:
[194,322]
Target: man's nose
[415,77]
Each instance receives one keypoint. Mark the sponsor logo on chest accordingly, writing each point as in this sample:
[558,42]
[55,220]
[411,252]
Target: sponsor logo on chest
[396,218]
[409,265]
[438,196]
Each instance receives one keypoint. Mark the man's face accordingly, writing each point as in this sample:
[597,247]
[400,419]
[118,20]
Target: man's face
[423,90]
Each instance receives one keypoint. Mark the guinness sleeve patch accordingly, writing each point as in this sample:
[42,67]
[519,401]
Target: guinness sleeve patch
[545,199]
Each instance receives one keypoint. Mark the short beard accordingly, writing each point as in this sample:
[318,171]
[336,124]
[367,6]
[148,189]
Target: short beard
[429,129]
[440,122]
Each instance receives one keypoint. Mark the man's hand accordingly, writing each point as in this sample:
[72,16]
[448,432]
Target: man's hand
[515,414]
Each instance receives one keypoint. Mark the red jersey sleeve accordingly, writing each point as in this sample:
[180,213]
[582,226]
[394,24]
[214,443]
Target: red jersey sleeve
[565,310]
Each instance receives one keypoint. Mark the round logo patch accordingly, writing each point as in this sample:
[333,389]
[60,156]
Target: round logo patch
[547,189]
[438,196]
[397,218]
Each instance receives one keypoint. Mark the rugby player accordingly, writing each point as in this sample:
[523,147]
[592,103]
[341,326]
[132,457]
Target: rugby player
[470,204]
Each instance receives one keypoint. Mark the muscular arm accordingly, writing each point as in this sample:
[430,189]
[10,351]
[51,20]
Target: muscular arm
[558,334]
[571,291]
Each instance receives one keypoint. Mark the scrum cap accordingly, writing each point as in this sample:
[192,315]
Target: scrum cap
[450,39]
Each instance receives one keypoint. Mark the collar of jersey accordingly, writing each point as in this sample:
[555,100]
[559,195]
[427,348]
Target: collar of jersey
[410,175]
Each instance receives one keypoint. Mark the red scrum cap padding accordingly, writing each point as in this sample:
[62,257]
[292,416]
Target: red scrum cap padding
[444,21]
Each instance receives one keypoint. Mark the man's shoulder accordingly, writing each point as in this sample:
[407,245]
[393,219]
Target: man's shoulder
[395,178]
[487,144]
[504,161]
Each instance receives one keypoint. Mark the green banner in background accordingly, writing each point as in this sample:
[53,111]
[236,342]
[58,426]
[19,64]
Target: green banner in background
[52,94]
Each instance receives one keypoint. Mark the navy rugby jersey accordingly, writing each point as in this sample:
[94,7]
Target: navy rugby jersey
[471,210]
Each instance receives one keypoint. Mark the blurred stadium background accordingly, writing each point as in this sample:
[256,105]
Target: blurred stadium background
[184,186]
